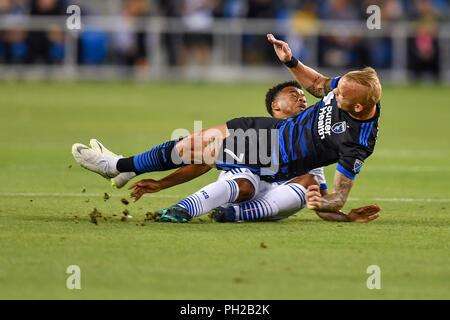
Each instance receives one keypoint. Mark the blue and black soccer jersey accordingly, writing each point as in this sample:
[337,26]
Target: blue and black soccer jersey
[319,136]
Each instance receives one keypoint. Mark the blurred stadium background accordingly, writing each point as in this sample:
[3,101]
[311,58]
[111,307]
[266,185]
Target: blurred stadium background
[221,40]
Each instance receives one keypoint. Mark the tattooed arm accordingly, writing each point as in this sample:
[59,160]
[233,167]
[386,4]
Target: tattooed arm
[332,202]
[320,87]
[363,214]
[315,83]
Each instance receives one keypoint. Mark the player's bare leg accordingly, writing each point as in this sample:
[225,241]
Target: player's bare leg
[202,147]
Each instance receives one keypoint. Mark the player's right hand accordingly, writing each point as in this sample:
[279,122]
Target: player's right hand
[313,197]
[281,48]
[145,186]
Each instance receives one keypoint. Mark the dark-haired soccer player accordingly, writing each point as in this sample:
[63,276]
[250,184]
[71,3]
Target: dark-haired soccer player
[251,198]
[341,128]
[282,101]
[256,200]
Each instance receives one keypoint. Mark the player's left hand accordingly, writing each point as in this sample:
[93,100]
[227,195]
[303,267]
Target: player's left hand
[145,186]
[364,214]
[281,48]
[313,197]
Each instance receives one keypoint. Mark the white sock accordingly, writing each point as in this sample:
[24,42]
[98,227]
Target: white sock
[281,202]
[210,197]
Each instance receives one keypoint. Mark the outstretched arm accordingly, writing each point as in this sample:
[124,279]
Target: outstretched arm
[182,175]
[332,202]
[315,83]
[363,214]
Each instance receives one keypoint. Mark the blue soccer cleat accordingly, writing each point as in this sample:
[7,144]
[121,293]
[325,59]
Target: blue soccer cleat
[221,214]
[174,214]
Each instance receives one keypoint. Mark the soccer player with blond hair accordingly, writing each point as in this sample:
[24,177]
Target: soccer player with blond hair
[341,128]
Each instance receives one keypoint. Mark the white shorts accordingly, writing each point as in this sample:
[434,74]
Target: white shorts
[245,174]
[261,186]
[291,201]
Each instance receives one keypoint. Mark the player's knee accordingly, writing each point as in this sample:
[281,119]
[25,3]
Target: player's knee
[185,148]
[305,180]
[246,189]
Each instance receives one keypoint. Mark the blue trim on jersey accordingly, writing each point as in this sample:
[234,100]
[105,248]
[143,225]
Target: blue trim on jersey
[345,172]
[310,121]
[291,141]
[365,134]
[366,130]
[361,133]
[228,166]
[369,131]
[283,152]
[304,114]
[301,136]
[334,82]
[303,146]
[323,186]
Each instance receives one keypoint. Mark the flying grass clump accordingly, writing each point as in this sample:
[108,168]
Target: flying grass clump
[151,216]
[95,215]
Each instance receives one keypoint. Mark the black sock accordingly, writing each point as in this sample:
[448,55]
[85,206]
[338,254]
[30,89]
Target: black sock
[126,165]
[160,158]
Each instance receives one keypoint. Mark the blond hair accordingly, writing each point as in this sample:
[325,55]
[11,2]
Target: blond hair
[367,77]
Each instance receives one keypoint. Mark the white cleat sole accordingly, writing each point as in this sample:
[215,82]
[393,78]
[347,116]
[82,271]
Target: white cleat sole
[122,179]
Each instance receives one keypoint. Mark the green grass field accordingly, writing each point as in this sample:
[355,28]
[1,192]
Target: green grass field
[44,213]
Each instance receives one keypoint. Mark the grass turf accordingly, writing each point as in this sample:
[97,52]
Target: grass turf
[44,213]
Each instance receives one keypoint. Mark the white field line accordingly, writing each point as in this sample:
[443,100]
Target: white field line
[388,168]
[172,196]
[400,199]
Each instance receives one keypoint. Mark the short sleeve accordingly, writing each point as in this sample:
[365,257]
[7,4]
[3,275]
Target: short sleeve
[334,82]
[351,161]
[320,176]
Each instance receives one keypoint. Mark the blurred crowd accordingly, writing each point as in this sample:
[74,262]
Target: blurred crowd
[130,47]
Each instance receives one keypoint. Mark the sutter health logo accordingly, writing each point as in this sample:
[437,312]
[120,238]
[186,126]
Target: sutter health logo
[324,124]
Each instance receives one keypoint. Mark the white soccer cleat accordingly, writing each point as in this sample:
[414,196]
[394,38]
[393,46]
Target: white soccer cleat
[97,146]
[104,165]
[120,180]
